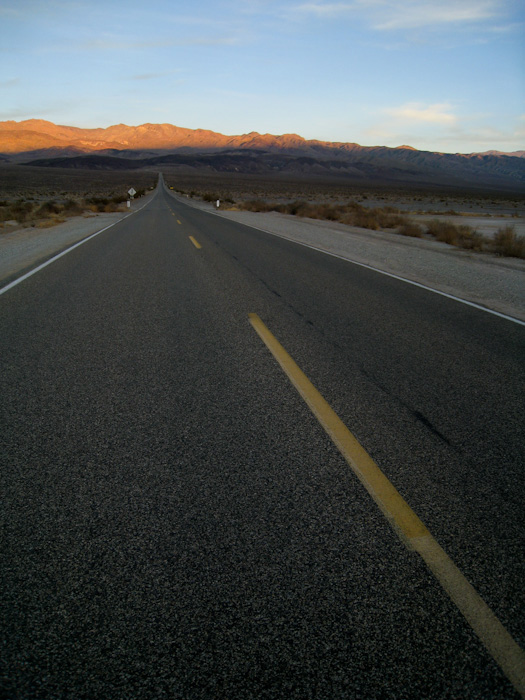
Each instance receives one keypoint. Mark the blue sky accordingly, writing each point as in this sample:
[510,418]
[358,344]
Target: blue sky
[445,75]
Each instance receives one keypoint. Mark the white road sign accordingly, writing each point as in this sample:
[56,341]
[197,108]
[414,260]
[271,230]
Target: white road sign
[132,192]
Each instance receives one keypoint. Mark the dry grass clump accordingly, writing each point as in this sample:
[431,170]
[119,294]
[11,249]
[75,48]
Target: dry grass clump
[256,205]
[16,211]
[47,209]
[376,218]
[48,223]
[507,242]
[410,229]
[461,236]
[107,204]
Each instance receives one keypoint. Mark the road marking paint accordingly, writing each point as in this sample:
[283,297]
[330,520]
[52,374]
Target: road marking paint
[473,304]
[412,531]
[179,222]
[195,243]
[498,642]
[64,252]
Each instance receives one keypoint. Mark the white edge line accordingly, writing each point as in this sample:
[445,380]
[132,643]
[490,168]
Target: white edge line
[382,272]
[415,284]
[64,252]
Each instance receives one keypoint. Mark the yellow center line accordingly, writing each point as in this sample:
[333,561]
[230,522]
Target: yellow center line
[179,222]
[195,243]
[406,523]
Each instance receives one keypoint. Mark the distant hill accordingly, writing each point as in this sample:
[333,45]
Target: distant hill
[46,144]
[515,154]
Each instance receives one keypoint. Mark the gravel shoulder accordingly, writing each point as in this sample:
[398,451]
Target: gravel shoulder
[493,282]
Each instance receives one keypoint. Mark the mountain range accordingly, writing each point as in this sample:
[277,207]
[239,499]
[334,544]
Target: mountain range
[153,146]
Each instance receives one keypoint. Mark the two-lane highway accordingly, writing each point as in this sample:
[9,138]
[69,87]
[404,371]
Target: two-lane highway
[177,523]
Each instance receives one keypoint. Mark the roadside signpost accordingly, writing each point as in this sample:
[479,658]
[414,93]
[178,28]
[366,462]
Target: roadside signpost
[131,193]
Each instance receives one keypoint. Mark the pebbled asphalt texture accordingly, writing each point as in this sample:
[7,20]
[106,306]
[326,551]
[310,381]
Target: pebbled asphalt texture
[175,523]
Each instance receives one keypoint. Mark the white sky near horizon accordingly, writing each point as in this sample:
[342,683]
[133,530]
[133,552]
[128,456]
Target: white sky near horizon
[445,75]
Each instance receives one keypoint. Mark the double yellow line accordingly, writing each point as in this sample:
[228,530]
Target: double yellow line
[406,523]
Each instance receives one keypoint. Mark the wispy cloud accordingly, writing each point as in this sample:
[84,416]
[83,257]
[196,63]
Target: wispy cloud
[328,10]
[52,110]
[411,15]
[17,113]
[146,76]
[22,9]
[389,15]
[11,13]
[415,124]
[12,82]
[438,127]
[153,76]
[114,44]
[415,112]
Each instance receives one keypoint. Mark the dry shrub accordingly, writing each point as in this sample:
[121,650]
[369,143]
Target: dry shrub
[365,218]
[411,229]
[5,212]
[111,207]
[17,211]
[72,208]
[507,242]
[255,205]
[461,236]
[327,212]
[469,239]
[443,231]
[210,197]
[97,203]
[373,219]
[47,209]
[48,223]
[297,208]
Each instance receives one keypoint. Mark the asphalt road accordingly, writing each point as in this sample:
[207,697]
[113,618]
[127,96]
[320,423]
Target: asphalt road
[176,523]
